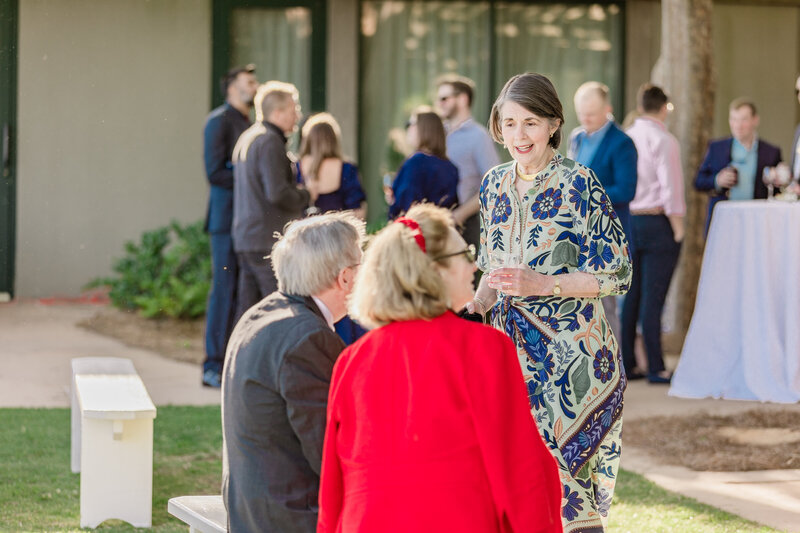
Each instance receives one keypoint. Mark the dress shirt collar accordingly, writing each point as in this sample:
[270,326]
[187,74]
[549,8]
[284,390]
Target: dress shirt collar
[600,131]
[324,310]
[270,126]
[654,121]
[740,146]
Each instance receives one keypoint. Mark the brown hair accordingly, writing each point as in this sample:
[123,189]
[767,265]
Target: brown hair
[397,280]
[651,98]
[460,85]
[430,131]
[321,136]
[742,102]
[535,93]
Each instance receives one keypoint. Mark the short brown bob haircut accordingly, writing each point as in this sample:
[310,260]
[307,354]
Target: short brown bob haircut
[397,280]
[535,93]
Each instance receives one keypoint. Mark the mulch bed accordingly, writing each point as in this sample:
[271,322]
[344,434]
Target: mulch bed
[721,443]
[177,339]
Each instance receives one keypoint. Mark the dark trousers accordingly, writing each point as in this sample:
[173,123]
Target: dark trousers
[655,255]
[221,307]
[256,280]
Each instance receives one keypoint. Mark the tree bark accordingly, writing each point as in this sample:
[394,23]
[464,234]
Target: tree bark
[685,71]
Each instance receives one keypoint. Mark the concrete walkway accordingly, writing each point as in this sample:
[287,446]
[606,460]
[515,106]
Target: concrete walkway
[37,342]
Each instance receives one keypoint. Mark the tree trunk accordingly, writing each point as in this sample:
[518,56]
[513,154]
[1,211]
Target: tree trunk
[685,71]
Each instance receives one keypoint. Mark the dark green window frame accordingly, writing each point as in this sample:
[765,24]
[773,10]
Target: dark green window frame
[221,39]
[9,20]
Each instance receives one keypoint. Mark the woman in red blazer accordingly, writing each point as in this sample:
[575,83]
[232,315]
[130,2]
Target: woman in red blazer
[429,428]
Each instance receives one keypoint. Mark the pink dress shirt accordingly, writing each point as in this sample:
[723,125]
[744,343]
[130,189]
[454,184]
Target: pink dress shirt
[660,181]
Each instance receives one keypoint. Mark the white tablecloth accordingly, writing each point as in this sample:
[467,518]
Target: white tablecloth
[744,339]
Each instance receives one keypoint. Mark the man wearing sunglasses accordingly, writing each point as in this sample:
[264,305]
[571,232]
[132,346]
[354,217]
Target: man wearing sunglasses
[469,147]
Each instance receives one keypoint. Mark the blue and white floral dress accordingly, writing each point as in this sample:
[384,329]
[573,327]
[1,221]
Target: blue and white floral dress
[570,359]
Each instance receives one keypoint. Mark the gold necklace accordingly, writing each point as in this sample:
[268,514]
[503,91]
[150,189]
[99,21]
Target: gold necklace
[531,177]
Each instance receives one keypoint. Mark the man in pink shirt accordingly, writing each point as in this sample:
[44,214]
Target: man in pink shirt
[657,219]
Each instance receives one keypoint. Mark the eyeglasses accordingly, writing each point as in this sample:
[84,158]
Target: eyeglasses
[468,252]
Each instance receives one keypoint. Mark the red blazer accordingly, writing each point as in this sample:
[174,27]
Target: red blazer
[429,430]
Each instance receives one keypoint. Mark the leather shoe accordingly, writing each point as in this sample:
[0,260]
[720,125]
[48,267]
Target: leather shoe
[659,379]
[634,375]
[212,378]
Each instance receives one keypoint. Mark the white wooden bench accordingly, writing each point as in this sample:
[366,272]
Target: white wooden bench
[116,448]
[90,365]
[203,514]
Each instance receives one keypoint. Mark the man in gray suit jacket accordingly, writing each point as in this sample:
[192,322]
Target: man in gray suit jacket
[265,191]
[276,378]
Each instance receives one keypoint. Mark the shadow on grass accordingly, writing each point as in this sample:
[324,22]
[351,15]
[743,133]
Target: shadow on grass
[642,506]
[39,493]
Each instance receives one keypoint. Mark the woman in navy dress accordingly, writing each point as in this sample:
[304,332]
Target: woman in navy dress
[427,175]
[333,183]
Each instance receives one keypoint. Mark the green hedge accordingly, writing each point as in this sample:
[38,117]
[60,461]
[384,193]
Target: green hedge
[167,273]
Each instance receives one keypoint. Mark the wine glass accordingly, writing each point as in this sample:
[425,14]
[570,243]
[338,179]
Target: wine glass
[768,177]
[783,175]
[501,259]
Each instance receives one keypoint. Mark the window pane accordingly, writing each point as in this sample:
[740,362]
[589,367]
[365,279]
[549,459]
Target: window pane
[278,41]
[568,43]
[405,46]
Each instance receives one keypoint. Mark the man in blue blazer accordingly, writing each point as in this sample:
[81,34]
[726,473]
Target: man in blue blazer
[223,127]
[732,167]
[602,146]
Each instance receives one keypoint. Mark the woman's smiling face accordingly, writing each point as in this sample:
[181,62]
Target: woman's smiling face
[526,136]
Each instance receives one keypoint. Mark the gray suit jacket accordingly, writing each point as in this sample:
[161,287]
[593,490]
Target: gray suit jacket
[265,193]
[274,400]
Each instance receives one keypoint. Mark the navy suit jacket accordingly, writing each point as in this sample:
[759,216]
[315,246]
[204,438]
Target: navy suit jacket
[614,163]
[223,127]
[718,157]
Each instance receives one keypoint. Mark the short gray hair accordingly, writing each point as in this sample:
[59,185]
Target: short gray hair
[274,95]
[308,257]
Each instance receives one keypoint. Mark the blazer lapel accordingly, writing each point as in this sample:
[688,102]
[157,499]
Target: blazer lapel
[603,148]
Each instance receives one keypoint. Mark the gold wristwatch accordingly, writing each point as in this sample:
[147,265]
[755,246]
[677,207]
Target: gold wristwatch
[557,287]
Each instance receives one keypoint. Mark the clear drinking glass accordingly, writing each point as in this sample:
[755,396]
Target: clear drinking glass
[767,176]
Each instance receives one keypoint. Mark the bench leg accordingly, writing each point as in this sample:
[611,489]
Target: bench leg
[116,471]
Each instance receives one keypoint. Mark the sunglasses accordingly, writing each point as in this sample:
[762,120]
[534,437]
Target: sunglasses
[468,252]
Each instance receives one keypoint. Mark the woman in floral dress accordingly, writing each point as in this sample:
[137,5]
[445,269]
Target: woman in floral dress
[551,247]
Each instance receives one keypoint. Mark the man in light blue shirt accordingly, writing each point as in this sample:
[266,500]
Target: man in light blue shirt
[602,146]
[732,167]
[469,147]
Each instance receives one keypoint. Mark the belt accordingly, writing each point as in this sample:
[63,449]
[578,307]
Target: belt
[651,211]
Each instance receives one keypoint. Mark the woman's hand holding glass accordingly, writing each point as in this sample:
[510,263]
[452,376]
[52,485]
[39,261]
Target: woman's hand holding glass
[510,277]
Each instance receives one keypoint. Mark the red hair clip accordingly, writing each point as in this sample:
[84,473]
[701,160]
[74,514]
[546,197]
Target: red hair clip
[416,232]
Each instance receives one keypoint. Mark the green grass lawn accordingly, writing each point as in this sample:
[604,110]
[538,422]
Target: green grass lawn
[39,493]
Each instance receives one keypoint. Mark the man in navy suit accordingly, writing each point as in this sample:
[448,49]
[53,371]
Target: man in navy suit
[223,127]
[602,146]
[733,166]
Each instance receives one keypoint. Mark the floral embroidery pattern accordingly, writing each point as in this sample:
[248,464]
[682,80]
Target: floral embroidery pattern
[571,504]
[546,204]
[604,364]
[502,209]
[569,360]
